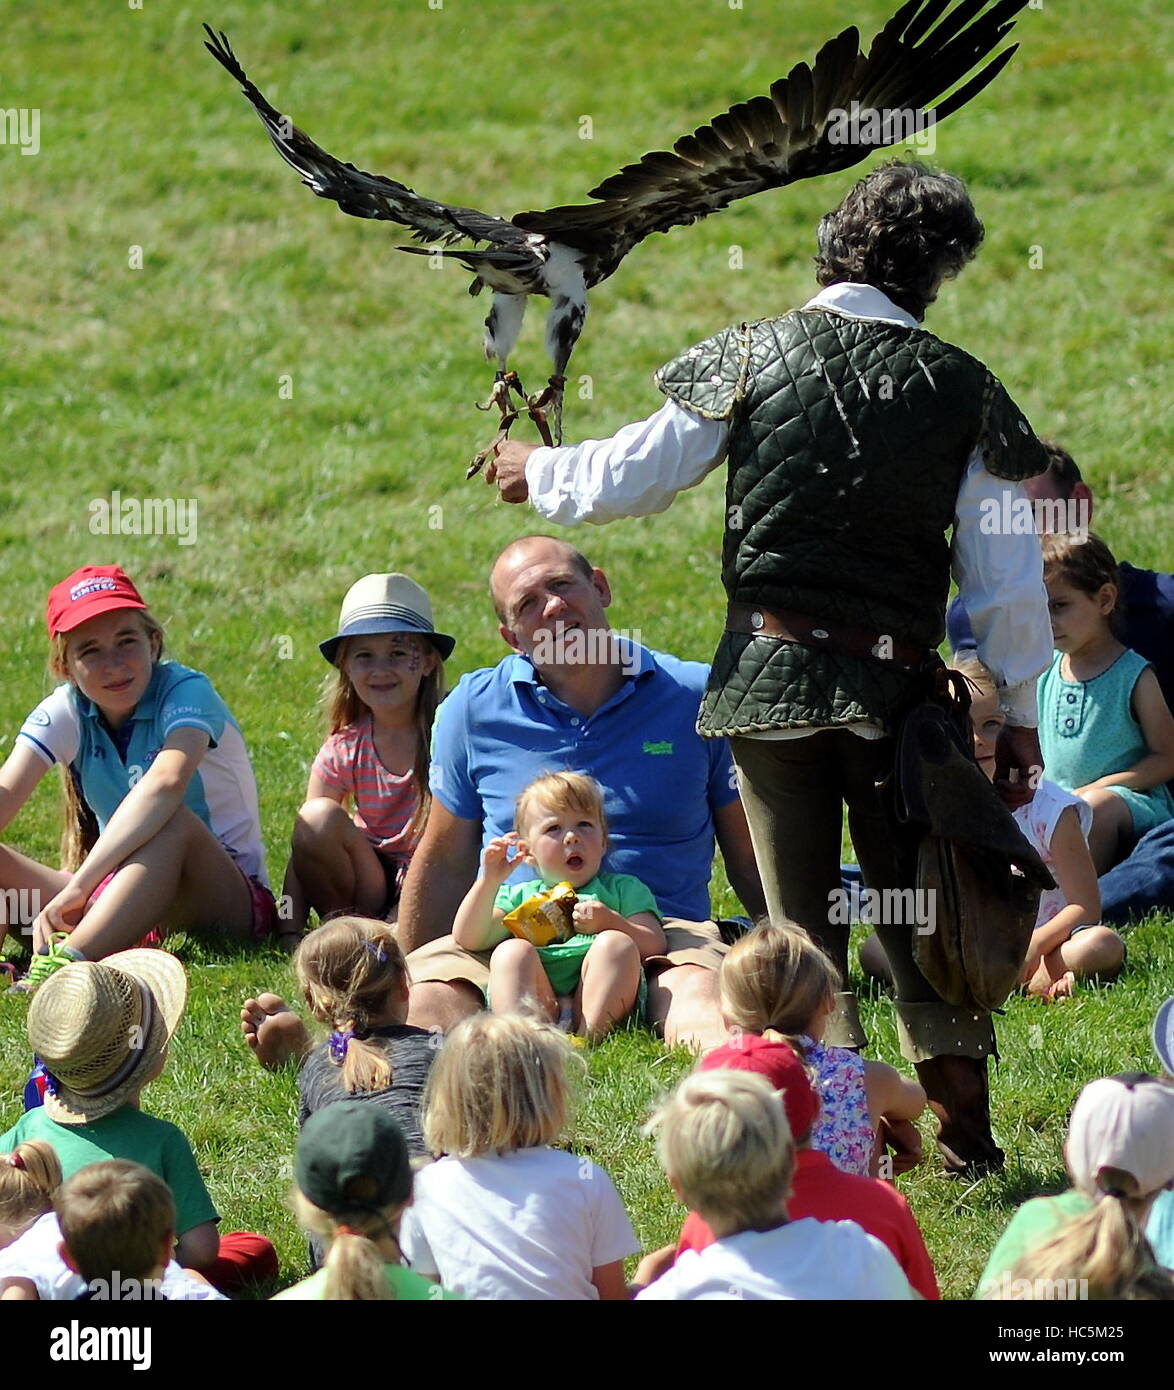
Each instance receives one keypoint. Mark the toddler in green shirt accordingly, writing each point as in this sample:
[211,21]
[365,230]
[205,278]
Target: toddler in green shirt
[593,980]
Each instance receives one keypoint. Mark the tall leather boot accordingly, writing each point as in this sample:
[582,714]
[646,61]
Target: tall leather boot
[960,1098]
[844,1028]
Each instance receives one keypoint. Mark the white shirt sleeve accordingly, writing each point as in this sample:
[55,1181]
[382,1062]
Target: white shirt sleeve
[53,729]
[637,472]
[1000,579]
[414,1244]
[612,1238]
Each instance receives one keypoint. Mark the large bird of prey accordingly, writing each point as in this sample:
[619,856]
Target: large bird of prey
[798,131]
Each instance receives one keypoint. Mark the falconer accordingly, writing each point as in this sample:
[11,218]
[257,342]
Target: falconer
[855,440]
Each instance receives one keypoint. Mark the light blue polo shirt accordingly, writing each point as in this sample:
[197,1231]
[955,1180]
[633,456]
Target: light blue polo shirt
[501,728]
[68,728]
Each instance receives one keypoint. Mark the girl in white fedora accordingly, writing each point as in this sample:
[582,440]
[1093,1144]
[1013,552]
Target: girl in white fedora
[368,799]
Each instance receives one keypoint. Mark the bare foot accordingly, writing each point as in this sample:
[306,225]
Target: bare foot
[274,1032]
[1063,988]
[1040,984]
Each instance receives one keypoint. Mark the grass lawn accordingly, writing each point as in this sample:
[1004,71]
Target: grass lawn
[312,391]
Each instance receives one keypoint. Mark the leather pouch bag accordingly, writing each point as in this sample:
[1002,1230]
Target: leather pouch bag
[986,878]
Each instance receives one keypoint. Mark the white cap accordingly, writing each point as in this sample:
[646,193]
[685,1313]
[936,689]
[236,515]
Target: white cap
[1124,1124]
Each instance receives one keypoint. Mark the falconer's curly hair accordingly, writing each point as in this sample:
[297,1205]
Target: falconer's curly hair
[904,229]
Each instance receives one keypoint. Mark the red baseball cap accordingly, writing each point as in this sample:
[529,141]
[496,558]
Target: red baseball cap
[92,590]
[782,1067]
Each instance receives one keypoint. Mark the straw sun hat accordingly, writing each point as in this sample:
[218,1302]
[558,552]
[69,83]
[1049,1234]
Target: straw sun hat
[101,1026]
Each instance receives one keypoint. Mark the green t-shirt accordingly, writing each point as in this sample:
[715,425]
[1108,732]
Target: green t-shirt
[405,1284]
[1033,1225]
[563,960]
[129,1134]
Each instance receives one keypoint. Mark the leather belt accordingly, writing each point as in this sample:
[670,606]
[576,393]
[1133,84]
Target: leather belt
[817,632]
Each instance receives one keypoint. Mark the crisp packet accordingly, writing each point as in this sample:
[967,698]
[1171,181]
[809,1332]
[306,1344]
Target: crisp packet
[544,918]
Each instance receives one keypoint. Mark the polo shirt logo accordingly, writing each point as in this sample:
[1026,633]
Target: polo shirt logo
[658,748]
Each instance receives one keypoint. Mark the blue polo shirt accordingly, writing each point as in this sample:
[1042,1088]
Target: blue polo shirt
[68,728]
[501,728]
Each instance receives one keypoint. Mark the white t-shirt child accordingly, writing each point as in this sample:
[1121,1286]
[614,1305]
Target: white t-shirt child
[530,1224]
[805,1259]
[1038,820]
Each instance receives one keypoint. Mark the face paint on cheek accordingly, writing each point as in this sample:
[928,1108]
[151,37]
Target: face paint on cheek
[415,660]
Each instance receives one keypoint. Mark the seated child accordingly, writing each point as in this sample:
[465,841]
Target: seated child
[725,1146]
[819,1188]
[1159,1229]
[776,982]
[162,826]
[1120,1155]
[1105,729]
[102,1030]
[117,1224]
[1068,943]
[596,976]
[503,1215]
[354,1183]
[29,1176]
[353,977]
[387,684]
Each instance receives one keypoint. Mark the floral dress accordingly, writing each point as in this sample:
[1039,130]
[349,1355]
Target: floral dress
[843,1131]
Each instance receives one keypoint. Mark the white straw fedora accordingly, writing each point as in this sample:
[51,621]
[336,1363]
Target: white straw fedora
[386,603]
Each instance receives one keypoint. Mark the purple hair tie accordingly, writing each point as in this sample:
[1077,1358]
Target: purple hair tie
[339,1042]
[376,950]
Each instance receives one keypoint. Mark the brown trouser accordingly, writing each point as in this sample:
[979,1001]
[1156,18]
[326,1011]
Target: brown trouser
[794,791]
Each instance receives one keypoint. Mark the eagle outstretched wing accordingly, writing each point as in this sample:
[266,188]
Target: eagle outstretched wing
[371,195]
[778,139]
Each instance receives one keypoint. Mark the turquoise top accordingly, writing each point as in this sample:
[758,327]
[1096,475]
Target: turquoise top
[1087,730]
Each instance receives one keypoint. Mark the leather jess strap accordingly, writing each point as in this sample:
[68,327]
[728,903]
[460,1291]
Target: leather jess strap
[817,632]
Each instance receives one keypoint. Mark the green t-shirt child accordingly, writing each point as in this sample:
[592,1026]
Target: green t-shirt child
[563,960]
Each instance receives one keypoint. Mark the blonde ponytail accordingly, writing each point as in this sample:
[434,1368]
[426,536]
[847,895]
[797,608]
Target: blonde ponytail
[349,969]
[356,1271]
[1105,1247]
[29,1177]
[776,977]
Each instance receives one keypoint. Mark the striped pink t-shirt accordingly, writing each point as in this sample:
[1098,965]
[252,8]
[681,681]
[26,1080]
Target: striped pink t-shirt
[384,803]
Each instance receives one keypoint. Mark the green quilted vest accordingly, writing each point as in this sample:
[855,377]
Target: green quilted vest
[848,442]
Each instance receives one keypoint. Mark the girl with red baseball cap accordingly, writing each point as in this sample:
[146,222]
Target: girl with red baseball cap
[162,821]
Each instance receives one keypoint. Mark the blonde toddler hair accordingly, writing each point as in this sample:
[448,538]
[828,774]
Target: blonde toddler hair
[562,792]
[29,1176]
[723,1138]
[500,1082]
[976,673]
[776,977]
[348,969]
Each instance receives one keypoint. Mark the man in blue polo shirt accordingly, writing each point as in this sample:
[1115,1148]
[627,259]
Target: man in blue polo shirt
[576,697]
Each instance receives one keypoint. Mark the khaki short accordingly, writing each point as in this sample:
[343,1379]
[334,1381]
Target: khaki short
[689,943]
